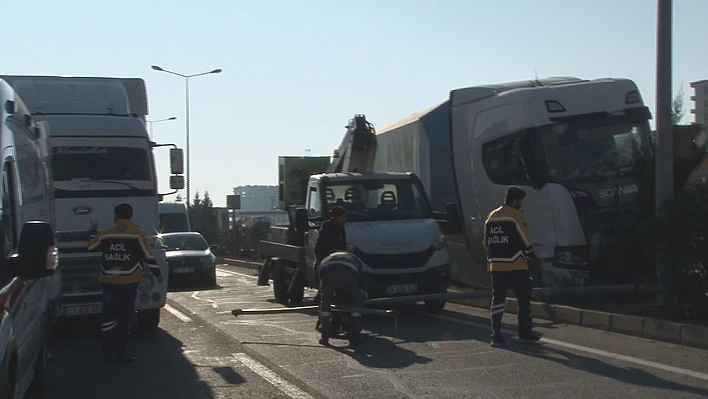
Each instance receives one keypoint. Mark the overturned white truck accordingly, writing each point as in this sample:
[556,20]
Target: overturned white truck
[574,145]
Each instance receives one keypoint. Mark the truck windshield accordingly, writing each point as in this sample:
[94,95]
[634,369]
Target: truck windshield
[100,163]
[379,199]
[593,150]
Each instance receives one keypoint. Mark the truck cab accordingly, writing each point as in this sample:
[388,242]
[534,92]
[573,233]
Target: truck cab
[390,227]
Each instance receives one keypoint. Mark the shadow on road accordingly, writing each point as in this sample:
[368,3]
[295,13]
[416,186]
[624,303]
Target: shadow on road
[626,375]
[78,371]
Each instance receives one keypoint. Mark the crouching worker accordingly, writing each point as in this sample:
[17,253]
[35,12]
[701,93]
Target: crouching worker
[341,273]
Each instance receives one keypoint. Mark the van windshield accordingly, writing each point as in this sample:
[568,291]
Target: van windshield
[173,222]
[379,199]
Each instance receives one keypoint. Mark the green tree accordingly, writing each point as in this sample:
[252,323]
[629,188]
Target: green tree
[203,217]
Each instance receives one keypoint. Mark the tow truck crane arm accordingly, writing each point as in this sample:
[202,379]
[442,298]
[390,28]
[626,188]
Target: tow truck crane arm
[357,151]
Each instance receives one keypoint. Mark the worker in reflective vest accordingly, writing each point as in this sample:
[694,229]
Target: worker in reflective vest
[508,244]
[126,256]
[342,280]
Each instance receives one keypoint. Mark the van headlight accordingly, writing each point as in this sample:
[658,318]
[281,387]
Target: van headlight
[439,242]
[147,282]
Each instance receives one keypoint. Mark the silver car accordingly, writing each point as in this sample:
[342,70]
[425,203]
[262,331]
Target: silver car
[189,258]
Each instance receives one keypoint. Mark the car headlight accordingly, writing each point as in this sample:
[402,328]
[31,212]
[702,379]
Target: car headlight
[208,261]
[439,243]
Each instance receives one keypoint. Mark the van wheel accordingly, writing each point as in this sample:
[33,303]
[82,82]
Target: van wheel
[38,386]
[435,306]
[280,285]
[149,319]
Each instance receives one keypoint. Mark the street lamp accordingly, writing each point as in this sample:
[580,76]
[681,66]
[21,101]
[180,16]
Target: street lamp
[161,120]
[186,80]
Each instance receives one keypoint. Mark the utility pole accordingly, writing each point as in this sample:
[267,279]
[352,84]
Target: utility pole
[664,167]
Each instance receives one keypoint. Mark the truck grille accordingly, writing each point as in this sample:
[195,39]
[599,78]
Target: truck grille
[396,261]
[79,276]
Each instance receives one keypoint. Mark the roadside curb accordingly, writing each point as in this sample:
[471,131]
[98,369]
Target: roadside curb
[659,330]
[644,327]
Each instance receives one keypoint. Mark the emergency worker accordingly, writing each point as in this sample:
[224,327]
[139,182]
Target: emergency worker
[125,255]
[508,244]
[341,278]
[332,237]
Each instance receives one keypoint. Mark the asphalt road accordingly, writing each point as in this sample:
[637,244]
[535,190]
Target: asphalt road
[202,351]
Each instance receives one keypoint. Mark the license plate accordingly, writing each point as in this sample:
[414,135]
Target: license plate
[82,309]
[401,289]
[183,270]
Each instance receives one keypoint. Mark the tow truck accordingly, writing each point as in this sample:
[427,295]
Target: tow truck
[390,227]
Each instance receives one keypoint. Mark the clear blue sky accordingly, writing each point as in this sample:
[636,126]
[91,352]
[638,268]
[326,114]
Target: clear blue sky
[294,72]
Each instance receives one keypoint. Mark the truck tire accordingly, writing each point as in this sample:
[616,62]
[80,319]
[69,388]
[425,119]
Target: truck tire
[149,319]
[280,285]
[297,289]
[435,306]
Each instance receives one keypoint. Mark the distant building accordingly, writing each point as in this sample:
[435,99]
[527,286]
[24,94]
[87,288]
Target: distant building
[257,198]
[700,100]
[259,203]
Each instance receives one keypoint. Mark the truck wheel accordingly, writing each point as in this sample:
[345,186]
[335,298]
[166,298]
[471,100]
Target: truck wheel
[264,272]
[38,386]
[435,306]
[297,290]
[280,285]
[149,319]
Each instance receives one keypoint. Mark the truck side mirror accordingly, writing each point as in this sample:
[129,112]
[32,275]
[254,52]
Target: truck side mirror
[301,220]
[176,161]
[176,182]
[36,255]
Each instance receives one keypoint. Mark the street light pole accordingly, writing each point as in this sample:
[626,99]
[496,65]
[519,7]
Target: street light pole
[161,120]
[186,80]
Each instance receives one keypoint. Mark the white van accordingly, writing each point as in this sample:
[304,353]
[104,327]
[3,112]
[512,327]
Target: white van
[29,254]
[173,217]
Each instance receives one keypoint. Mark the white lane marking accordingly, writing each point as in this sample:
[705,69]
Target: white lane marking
[273,378]
[222,272]
[178,314]
[599,352]
[232,273]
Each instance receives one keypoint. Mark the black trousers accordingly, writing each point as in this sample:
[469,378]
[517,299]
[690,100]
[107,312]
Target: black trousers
[343,282]
[519,281]
[118,307]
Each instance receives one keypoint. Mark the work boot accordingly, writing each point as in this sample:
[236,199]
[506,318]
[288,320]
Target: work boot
[498,341]
[355,340]
[529,338]
[324,341]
